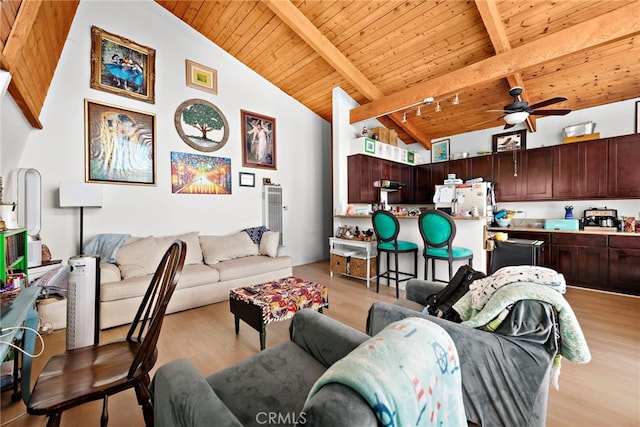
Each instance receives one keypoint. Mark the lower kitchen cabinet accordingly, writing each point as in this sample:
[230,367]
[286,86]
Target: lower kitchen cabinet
[582,258]
[624,264]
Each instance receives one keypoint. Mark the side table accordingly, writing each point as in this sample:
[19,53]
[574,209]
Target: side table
[336,243]
[277,300]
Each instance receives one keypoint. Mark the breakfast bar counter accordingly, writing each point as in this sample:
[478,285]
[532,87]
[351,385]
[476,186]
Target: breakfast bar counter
[470,233]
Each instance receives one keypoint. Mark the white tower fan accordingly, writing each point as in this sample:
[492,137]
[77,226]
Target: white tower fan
[83,301]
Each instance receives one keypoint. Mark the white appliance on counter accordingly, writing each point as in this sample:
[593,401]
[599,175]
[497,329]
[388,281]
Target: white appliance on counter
[461,199]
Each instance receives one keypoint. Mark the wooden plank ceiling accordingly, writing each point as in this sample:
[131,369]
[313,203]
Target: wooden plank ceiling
[375,50]
[389,54]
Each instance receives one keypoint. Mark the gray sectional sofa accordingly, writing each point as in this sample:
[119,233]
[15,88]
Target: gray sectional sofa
[213,266]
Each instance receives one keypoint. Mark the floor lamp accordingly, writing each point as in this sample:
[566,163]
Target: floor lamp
[80,195]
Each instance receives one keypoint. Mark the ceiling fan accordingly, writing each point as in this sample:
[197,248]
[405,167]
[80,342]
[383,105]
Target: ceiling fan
[518,111]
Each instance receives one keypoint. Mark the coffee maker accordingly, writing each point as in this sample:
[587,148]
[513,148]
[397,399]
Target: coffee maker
[600,219]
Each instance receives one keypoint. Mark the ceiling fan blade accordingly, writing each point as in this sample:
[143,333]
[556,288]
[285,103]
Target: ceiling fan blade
[498,111]
[550,112]
[547,102]
[508,126]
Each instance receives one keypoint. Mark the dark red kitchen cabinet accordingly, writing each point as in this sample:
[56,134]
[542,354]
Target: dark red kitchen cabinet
[524,175]
[480,167]
[581,258]
[459,168]
[624,264]
[579,170]
[624,167]
[422,187]
[362,171]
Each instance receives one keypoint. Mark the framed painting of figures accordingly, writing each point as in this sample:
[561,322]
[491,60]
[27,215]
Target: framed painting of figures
[121,66]
[120,145]
[258,140]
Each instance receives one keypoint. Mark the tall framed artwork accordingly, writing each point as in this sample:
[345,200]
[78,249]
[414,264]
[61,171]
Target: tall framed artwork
[201,125]
[200,174]
[122,66]
[509,141]
[120,145]
[258,140]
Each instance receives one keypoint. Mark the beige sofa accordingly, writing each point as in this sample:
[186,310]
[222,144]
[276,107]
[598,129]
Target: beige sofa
[213,266]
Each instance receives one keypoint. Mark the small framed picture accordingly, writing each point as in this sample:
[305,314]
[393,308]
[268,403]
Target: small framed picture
[121,66]
[516,140]
[247,179]
[370,145]
[440,151]
[201,77]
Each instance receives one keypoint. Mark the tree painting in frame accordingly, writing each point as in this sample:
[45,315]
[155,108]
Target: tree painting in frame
[200,174]
[120,145]
[201,125]
[121,66]
[440,151]
[259,140]
[509,141]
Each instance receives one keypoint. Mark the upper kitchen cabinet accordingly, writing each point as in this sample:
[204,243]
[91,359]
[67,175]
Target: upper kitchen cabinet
[480,167]
[580,170]
[523,175]
[624,167]
[362,172]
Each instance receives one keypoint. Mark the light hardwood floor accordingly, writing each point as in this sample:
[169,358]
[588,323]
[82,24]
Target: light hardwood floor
[604,392]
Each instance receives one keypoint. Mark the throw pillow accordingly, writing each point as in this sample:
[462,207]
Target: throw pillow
[256,233]
[269,243]
[138,258]
[224,248]
[194,252]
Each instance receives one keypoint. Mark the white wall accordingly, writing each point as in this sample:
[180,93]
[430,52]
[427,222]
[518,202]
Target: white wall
[57,151]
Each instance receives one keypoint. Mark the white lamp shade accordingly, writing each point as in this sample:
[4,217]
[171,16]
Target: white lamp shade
[515,118]
[80,194]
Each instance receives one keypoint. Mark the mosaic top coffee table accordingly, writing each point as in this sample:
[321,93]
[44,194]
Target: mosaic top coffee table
[277,300]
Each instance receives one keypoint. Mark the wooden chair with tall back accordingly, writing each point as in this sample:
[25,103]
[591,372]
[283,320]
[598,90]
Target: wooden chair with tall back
[438,230]
[95,372]
[387,227]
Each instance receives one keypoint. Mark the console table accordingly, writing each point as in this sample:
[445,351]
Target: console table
[21,313]
[336,243]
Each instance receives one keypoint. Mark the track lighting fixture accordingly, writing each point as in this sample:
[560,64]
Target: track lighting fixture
[438,107]
[456,100]
[404,117]
[418,113]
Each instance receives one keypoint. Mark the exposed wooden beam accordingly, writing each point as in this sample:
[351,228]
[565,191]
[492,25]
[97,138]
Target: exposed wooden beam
[495,29]
[308,32]
[618,24]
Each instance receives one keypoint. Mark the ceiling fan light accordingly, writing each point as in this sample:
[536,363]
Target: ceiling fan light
[516,118]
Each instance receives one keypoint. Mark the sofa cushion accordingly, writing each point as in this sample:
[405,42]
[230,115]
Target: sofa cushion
[250,266]
[194,252]
[256,233]
[224,248]
[269,243]
[245,393]
[138,258]
[192,275]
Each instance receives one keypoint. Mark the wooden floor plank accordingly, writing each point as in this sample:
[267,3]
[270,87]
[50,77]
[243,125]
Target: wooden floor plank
[605,391]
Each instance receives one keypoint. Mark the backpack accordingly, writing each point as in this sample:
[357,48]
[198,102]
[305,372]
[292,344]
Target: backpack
[441,304]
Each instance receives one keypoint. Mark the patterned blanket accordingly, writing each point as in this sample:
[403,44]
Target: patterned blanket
[409,373]
[489,297]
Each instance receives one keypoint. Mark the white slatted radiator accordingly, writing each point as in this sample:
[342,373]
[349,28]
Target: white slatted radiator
[272,208]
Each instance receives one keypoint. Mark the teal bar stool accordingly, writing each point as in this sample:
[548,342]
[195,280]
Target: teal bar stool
[386,226]
[438,230]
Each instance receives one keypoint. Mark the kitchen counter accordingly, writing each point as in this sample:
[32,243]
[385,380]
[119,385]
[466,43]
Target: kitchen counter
[456,218]
[544,230]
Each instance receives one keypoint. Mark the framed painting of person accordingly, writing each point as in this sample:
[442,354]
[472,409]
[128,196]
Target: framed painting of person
[258,140]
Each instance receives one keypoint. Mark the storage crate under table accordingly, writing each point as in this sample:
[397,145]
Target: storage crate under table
[355,258]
